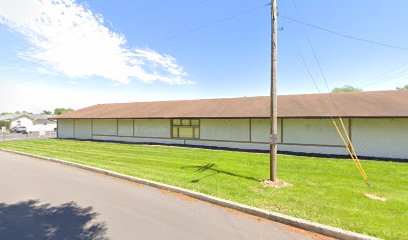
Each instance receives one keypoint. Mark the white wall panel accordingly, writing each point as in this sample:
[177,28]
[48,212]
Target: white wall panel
[311,131]
[260,130]
[65,128]
[225,129]
[104,127]
[381,137]
[152,128]
[83,128]
[125,127]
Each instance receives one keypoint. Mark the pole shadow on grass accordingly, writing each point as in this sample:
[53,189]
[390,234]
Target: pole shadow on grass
[34,220]
[211,167]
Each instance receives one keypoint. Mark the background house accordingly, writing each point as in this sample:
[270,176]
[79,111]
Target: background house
[33,122]
[377,123]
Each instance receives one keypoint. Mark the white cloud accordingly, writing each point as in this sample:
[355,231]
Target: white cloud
[68,38]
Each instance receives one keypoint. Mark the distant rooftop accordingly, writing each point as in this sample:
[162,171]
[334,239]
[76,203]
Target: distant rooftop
[11,116]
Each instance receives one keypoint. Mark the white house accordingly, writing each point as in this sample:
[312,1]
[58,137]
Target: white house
[33,122]
[377,123]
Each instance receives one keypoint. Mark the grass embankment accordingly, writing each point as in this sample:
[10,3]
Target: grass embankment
[327,191]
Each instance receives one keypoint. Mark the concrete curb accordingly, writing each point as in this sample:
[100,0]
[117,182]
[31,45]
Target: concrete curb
[277,217]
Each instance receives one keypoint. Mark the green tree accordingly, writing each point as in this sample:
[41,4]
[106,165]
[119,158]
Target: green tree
[59,111]
[403,88]
[346,88]
[46,112]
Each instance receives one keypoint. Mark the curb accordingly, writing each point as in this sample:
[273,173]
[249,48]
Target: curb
[277,217]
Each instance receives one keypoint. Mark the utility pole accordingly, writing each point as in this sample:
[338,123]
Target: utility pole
[273,113]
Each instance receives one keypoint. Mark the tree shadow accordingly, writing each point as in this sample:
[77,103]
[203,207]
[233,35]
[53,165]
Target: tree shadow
[212,167]
[33,220]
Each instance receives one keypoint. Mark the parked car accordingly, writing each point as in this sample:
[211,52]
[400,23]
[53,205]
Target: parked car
[19,129]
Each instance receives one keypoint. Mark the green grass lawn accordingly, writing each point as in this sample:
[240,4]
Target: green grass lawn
[327,191]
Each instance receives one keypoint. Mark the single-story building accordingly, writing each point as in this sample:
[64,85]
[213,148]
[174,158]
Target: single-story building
[376,121]
[33,122]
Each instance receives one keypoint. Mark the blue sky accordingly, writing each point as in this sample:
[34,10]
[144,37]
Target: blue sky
[87,52]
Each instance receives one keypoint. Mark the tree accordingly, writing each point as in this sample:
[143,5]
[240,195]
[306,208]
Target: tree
[59,111]
[346,88]
[403,88]
[46,112]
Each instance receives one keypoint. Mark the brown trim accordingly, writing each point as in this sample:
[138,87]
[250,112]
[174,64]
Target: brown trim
[57,129]
[250,130]
[246,117]
[185,126]
[117,127]
[281,132]
[349,123]
[171,128]
[91,127]
[74,128]
[133,133]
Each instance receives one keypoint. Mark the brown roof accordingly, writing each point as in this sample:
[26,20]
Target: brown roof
[357,104]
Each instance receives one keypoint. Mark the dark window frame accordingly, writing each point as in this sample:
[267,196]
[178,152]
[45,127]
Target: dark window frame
[177,123]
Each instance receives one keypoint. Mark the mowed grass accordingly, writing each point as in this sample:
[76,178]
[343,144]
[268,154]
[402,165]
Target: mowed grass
[327,191]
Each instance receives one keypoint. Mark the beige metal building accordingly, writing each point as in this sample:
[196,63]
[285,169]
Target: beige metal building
[376,121]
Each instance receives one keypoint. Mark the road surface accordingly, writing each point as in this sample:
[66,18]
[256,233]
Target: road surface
[45,200]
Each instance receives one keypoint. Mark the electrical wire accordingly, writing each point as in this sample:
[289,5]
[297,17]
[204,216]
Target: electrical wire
[180,34]
[308,70]
[345,35]
[210,24]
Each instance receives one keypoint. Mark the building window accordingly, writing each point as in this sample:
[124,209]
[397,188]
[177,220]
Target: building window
[185,128]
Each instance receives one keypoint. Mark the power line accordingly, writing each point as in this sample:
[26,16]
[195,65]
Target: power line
[308,70]
[388,78]
[180,34]
[314,53]
[210,24]
[346,35]
[375,80]
[383,75]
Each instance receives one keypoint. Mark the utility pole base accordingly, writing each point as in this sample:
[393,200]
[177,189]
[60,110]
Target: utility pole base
[275,184]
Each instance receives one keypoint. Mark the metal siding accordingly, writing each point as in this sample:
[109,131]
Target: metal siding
[260,129]
[125,127]
[83,129]
[386,137]
[225,129]
[152,128]
[311,131]
[104,127]
[65,128]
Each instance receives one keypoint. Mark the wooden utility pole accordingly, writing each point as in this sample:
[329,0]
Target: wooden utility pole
[274,100]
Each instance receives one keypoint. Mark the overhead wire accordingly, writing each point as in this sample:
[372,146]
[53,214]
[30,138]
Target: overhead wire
[211,24]
[308,69]
[347,144]
[345,35]
[186,32]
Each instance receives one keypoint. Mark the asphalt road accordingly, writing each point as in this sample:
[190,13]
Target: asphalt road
[44,200]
